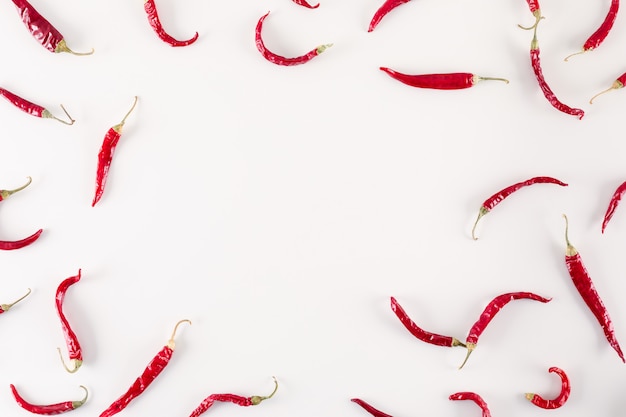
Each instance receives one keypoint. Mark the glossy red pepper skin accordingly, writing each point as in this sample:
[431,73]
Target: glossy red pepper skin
[306,4]
[446,81]
[49,409]
[155,23]
[602,32]
[373,411]
[71,340]
[472,396]
[31,108]
[278,59]
[615,199]
[18,244]
[559,400]
[230,398]
[387,6]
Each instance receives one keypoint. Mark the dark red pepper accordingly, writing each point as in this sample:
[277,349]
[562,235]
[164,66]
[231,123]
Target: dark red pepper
[560,399]
[32,108]
[231,398]
[49,409]
[386,7]
[155,22]
[73,347]
[6,307]
[446,81]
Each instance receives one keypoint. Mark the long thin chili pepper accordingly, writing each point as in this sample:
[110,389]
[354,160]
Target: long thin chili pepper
[602,32]
[231,398]
[154,368]
[489,313]
[560,399]
[617,84]
[306,4]
[421,334]
[6,307]
[32,108]
[155,22]
[105,156]
[373,411]
[472,396]
[42,30]
[281,60]
[449,81]
[387,6]
[615,199]
[545,88]
[495,199]
[49,409]
[73,347]
[583,283]
[17,244]
[533,5]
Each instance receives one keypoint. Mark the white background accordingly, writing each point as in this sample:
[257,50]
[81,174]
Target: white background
[278,208]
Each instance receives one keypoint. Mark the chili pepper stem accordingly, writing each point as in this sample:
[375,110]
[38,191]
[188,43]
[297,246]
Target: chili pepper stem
[470,348]
[538,17]
[47,115]
[483,210]
[256,399]
[5,193]
[76,404]
[457,342]
[576,53]
[477,78]
[322,48]
[5,307]
[616,86]
[118,127]
[62,47]
[76,363]
[170,343]
[571,250]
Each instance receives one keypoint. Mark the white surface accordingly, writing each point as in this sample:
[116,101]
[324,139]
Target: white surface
[279,208]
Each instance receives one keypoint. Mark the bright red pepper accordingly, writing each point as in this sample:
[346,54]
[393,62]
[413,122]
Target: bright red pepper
[231,398]
[49,409]
[73,347]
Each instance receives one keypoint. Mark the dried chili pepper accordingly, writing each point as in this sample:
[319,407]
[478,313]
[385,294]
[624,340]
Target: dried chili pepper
[490,311]
[421,334]
[32,108]
[495,199]
[615,199]
[449,81]
[154,368]
[42,30]
[17,244]
[73,347]
[306,4]
[472,396]
[281,60]
[583,283]
[155,22]
[49,409]
[602,32]
[105,156]
[617,84]
[387,6]
[533,5]
[231,398]
[6,307]
[560,399]
[373,411]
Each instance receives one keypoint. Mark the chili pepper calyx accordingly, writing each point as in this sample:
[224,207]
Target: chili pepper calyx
[617,84]
[46,114]
[257,399]
[481,212]
[6,307]
[118,127]
[76,404]
[529,396]
[470,348]
[322,48]
[538,17]
[76,363]
[62,47]
[170,343]
[5,193]
[571,250]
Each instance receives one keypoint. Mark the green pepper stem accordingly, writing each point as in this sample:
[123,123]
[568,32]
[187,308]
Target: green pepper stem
[256,399]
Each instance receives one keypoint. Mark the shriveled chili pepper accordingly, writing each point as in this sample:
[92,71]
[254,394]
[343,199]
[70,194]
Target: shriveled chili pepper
[495,199]
[154,368]
[32,108]
[421,334]
[373,411]
[42,30]
[583,283]
[560,399]
[49,409]
[545,88]
[615,199]
[105,156]
[6,307]
[602,32]
[489,313]
[387,6]
[73,347]
[281,60]
[231,398]
[617,84]
[472,396]
[155,22]
[533,5]
[306,4]
[446,81]
[17,244]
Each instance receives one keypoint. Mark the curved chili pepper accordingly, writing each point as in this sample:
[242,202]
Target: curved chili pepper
[449,81]
[17,244]
[154,368]
[373,411]
[32,108]
[617,84]
[231,398]
[602,32]
[583,283]
[490,311]
[421,334]
[105,156]
[472,396]
[155,22]
[49,409]
[306,4]
[387,6]
[42,30]
[281,60]
[555,402]
[6,307]
[615,199]
[495,199]
[533,5]
[73,347]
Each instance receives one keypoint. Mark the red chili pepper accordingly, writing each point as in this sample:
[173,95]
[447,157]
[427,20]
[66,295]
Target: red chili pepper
[586,289]
[490,311]
[449,81]
[306,4]
[5,307]
[495,199]
[154,368]
[387,6]
[42,30]
[373,411]
[32,108]
[617,84]
[49,409]
[231,398]
[421,334]
[615,199]
[105,156]
[555,402]
[281,60]
[73,347]
[472,396]
[545,88]
[533,5]
[602,32]
[17,244]
[155,22]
